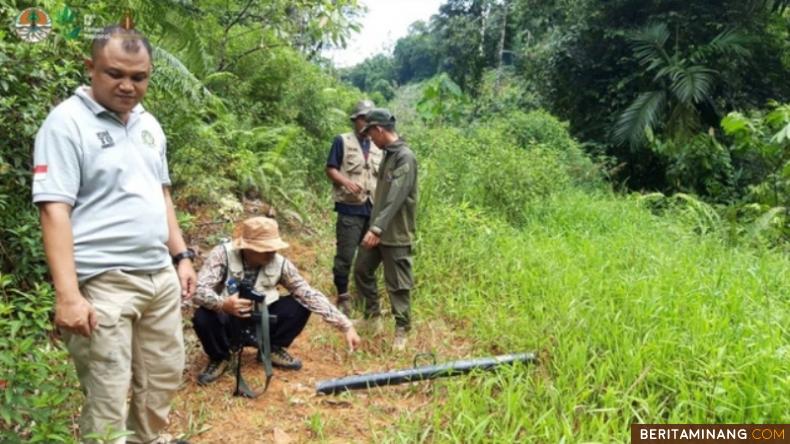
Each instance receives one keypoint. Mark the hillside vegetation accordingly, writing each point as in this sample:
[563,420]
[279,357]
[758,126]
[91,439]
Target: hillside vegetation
[664,306]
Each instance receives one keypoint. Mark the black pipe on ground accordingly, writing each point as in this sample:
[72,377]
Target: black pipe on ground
[455,368]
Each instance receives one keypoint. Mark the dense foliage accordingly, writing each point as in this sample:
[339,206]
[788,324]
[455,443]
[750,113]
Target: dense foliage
[245,112]
[644,83]
[640,308]
[669,306]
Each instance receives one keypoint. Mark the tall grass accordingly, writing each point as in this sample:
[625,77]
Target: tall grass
[636,317]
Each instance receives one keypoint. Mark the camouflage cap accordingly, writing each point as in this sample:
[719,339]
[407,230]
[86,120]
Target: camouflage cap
[361,108]
[379,117]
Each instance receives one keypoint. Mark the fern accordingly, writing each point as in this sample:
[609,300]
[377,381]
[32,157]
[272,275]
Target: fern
[771,219]
[705,217]
[172,75]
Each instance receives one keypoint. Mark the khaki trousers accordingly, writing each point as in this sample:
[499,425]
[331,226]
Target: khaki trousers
[138,342]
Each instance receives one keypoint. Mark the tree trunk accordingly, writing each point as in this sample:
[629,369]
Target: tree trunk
[483,25]
[501,47]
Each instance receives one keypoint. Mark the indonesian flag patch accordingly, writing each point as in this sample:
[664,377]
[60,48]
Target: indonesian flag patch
[39,172]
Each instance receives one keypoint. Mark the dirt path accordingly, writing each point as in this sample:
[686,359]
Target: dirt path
[290,411]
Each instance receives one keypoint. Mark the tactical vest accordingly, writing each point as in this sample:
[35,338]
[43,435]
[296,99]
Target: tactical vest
[361,171]
[268,276]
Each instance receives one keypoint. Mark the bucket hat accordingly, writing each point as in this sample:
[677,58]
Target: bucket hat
[259,234]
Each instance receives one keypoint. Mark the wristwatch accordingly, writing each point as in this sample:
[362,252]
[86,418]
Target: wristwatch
[186,254]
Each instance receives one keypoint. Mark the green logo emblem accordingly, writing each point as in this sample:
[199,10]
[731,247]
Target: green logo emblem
[33,25]
[148,138]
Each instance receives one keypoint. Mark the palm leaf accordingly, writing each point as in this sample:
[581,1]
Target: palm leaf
[174,21]
[641,116]
[728,42]
[691,84]
[185,40]
[649,45]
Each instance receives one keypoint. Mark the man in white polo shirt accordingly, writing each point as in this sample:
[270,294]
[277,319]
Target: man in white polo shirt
[101,184]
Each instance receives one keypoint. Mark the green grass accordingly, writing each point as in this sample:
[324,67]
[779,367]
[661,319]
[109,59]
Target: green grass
[635,318]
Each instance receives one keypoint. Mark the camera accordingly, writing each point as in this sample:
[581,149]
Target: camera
[245,329]
[252,331]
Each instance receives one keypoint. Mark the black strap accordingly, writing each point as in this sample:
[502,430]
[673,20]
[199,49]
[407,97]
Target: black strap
[263,338]
[265,343]
[242,389]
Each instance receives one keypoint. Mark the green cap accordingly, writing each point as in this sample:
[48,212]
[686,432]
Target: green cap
[361,108]
[379,117]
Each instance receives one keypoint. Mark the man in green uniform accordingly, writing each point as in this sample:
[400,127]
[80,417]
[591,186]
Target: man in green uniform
[392,226]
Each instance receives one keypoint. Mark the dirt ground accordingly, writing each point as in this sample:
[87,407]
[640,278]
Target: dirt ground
[291,411]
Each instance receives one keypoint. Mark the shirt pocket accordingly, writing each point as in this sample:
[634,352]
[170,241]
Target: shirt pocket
[354,162]
[401,170]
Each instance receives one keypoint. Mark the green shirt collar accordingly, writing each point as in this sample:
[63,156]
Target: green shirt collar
[395,145]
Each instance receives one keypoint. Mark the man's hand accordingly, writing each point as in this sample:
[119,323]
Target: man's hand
[352,339]
[75,314]
[371,240]
[188,278]
[353,187]
[238,307]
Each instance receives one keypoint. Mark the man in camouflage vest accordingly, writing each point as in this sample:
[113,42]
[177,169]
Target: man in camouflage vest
[352,167]
[254,255]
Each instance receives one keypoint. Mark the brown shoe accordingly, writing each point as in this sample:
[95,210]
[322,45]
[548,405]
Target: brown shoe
[371,326]
[213,371]
[282,359]
[168,439]
[399,344]
[344,304]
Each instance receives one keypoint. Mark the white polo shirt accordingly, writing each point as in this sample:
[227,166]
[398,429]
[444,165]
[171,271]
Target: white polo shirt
[112,175]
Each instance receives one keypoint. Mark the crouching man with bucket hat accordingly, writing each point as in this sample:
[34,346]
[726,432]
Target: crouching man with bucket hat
[253,256]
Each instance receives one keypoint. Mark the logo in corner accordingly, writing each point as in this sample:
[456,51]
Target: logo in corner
[33,25]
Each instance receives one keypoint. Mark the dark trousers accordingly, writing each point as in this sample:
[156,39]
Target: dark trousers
[215,329]
[397,275]
[349,232]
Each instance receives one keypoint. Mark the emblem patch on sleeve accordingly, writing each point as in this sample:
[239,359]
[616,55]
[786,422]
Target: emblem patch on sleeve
[148,139]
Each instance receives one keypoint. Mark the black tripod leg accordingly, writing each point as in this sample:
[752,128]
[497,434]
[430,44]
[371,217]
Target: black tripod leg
[242,389]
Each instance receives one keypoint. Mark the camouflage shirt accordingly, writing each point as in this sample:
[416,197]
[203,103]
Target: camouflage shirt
[211,281]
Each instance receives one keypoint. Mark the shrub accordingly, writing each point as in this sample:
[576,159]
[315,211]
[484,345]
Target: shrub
[39,386]
[501,165]
[541,128]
